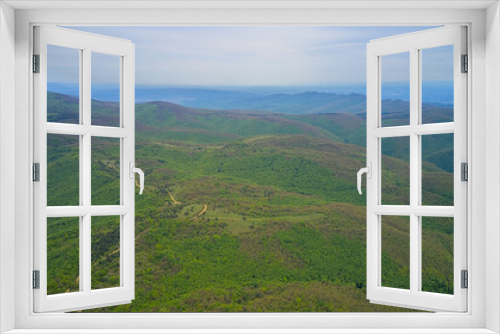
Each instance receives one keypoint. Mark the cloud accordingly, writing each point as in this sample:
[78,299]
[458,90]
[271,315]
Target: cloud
[250,55]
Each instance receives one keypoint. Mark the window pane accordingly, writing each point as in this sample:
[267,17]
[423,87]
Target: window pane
[437,84]
[395,81]
[105,89]
[105,252]
[395,171]
[437,254]
[63,165]
[437,169]
[105,171]
[395,252]
[63,85]
[63,255]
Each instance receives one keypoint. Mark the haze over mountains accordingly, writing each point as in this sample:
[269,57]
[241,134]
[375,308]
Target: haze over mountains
[310,102]
[350,99]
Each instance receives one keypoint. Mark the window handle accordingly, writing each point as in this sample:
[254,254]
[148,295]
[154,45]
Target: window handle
[135,170]
[368,171]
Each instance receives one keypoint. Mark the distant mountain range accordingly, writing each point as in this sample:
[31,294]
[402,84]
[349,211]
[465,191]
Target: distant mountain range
[293,103]
[341,118]
[290,100]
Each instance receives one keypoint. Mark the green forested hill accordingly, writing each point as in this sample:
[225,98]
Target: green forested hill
[242,211]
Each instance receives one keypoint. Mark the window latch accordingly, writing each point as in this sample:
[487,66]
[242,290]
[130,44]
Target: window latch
[135,170]
[368,171]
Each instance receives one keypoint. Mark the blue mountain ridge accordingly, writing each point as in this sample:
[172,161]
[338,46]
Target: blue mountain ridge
[308,102]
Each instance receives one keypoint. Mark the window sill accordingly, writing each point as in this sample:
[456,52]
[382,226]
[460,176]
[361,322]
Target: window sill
[251,331]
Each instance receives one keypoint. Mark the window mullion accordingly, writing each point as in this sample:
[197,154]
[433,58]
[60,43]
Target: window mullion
[414,172]
[82,222]
[85,169]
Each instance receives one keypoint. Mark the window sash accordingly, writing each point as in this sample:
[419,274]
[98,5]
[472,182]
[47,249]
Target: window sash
[86,297]
[414,297]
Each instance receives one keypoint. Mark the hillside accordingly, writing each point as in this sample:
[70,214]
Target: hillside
[169,121]
[242,212]
[293,103]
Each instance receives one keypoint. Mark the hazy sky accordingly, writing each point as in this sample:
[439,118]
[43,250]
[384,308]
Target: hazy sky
[247,56]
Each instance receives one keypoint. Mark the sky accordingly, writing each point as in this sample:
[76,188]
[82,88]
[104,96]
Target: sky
[247,56]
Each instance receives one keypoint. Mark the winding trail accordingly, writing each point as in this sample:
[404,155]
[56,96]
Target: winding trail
[172,197]
[201,212]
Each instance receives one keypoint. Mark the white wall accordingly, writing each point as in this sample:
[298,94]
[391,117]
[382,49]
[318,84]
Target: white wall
[7,163]
[492,99]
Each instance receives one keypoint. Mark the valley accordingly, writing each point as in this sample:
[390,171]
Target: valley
[247,210]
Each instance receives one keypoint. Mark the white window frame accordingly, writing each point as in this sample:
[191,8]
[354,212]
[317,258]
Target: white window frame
[483,314]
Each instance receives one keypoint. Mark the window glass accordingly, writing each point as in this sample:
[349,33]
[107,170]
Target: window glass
[63,166]
[395,89]
[63,255]
[395,171]
[437,169]
[105,171]
[437,84]
[395,252]
[105,252]
[63,85]
[105,89]
[437,254]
